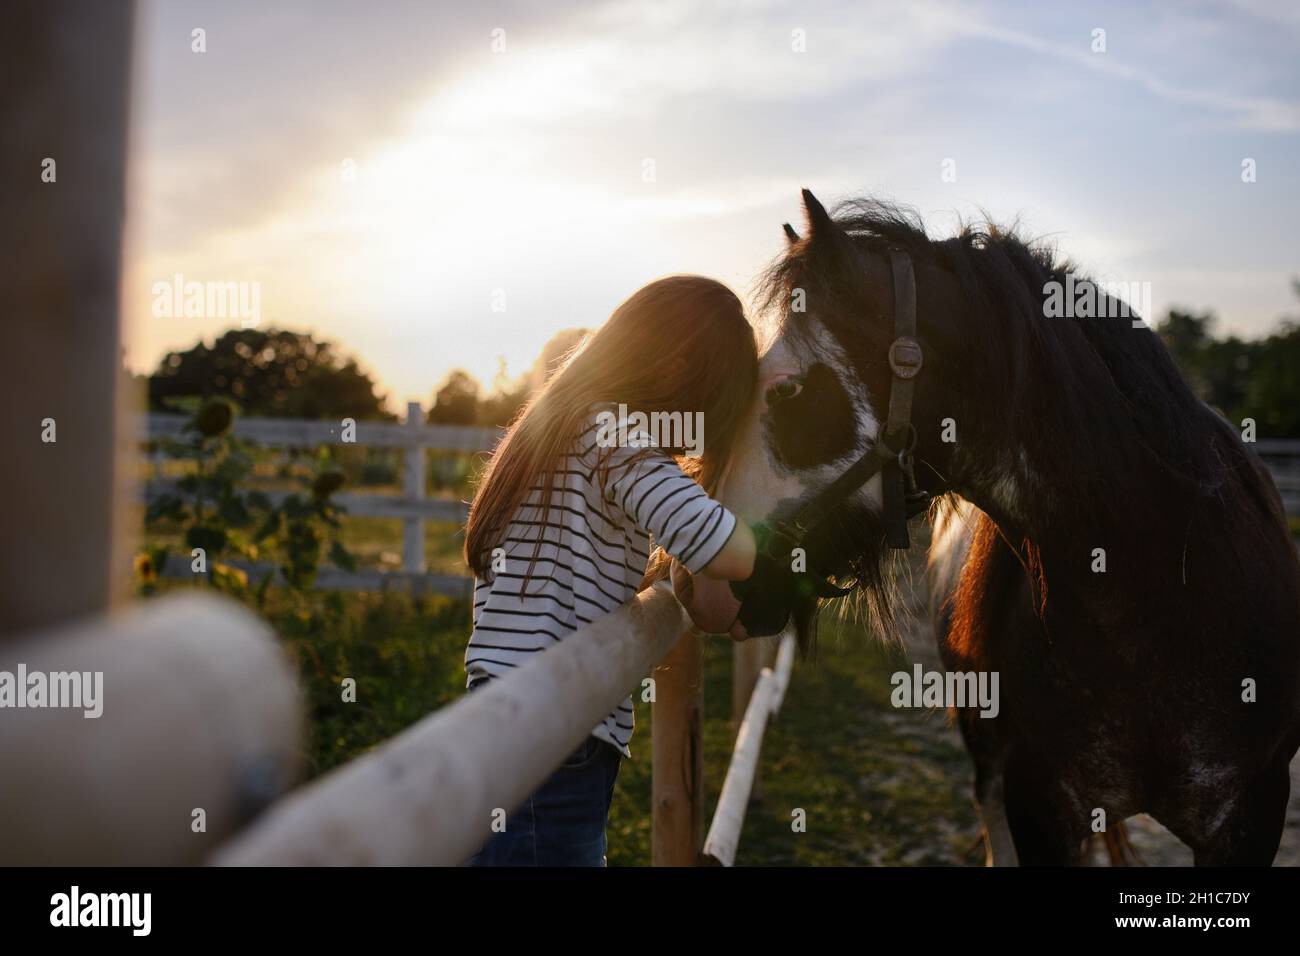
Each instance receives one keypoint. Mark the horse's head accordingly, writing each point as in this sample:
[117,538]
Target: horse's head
[826,383]
[1013,408]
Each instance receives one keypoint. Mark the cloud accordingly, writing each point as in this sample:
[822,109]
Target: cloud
[1264,113]
[525,170]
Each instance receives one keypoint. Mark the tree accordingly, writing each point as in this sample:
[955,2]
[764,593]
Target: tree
[1185,334]
[456,401]
[1272,392]
[554,352]
[1254,378]
[501,407]
[269,372]
[508,396]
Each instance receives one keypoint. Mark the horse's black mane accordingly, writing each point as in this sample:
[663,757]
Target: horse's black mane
[1115,390]
[1117,433]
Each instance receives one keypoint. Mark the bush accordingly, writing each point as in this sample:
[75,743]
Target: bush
[219,520]
[405,654]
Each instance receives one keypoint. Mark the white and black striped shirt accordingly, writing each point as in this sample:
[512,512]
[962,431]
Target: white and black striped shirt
[593,555]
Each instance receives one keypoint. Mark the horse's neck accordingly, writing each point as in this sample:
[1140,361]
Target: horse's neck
[1125,494]
[1089,466]
[1134,541]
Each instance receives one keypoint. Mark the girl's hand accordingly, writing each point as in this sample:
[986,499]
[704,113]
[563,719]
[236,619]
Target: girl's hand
[710,616]
[683,585]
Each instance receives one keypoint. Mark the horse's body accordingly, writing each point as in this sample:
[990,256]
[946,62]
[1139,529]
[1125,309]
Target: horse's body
[1103,540]
[1141,712]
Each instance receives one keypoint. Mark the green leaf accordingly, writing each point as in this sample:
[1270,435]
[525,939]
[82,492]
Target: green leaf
[211,539]
[232,511]
[296,508]
[271,526]
[166,506]
[231,470]
[263,588]
[215,418]
[229,579]
[327,483]
[341,557]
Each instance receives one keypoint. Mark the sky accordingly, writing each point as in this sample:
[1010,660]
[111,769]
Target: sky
[447,185]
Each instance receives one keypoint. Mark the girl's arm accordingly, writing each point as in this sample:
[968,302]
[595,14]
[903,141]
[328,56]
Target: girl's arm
[669,506]
[735,562]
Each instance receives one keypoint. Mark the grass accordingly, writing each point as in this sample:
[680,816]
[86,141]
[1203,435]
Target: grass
[377,543]
[877,785]
[405,655]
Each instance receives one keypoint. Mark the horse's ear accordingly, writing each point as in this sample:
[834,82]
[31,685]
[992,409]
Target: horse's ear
[824,237]
[790,234]
[819,220]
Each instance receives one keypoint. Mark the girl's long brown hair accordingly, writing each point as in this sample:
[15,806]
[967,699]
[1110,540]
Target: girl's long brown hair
[680,344]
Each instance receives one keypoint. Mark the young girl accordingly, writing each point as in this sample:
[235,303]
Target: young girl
[563,523]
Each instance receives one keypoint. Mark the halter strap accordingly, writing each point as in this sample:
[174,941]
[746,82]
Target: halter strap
[892,450]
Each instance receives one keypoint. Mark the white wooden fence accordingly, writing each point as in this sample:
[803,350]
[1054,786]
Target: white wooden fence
[413,507]
[764,703]
[1283,460]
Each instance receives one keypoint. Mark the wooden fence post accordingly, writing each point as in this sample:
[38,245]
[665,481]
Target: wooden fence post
[677,775]
[413,482]
[63,118]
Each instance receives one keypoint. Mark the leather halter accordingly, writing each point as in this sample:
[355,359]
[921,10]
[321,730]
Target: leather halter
[890,453]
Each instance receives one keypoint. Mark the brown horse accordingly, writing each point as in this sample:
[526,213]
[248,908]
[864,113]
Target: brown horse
[1104,541]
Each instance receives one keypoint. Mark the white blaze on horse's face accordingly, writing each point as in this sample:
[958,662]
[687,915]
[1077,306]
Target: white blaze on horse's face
[756,480]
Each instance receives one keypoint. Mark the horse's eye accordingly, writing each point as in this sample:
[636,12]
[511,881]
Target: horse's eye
[787,388]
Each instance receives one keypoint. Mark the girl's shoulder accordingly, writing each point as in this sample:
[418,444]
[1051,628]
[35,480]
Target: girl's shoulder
[598,412]
[614,431]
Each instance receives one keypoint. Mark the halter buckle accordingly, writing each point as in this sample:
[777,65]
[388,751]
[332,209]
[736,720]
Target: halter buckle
[906,357]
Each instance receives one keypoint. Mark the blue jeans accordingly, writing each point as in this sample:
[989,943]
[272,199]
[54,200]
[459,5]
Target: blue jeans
[562,823]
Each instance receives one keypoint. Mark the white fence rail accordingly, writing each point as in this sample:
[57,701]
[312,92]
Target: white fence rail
[1283,460]
[764,702]
[311,433]
[413,507]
